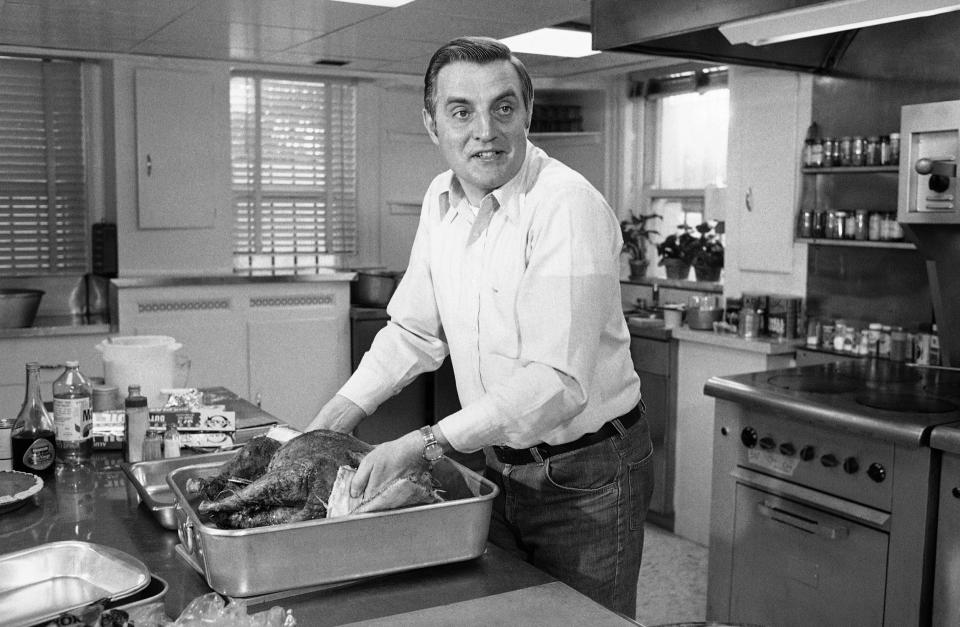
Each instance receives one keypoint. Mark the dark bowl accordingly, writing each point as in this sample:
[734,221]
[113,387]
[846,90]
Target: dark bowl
[18,307]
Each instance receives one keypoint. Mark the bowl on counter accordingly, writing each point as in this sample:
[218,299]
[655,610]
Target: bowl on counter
[703,319]
[373,288]
[18,307]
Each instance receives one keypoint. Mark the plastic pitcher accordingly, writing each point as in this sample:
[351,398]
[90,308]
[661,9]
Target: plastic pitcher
[149,361]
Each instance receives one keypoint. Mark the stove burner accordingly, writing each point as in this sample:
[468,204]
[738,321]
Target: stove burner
[814,383]
[905,402]
[879,372]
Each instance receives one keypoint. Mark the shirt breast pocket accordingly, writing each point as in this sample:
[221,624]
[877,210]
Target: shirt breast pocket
[499,322]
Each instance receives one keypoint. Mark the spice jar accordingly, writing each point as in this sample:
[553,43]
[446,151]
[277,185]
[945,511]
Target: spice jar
[872,151]
[831,152]
[884,150]
[875,224]
[894,148]
[846,151]
[858,151]
[861,227]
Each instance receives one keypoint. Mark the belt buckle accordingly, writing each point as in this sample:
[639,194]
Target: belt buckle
[535,452]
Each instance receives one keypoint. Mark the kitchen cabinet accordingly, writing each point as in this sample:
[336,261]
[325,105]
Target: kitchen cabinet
[764,151]
[282,342]
[946,602]
[655,361]
[175,111]
[701,355]
[50,352]
[581,144]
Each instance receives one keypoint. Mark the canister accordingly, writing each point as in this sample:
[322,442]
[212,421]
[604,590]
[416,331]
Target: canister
[861,227]
[830,149]
[873,150]
[6,444]
[858,151]
[846,151]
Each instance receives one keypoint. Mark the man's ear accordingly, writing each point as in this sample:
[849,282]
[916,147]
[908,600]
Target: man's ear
[431,125]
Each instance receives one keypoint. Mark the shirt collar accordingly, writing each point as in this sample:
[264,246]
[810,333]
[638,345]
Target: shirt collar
[508,195]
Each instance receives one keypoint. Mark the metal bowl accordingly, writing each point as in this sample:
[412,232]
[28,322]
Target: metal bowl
[373,288]
[18,307]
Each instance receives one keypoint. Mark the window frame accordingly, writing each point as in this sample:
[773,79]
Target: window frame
[262,262]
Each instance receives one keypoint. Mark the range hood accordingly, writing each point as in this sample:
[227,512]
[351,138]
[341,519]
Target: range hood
[784,34]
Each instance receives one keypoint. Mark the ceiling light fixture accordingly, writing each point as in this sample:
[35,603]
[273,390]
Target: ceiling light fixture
[555,42]
[829,17]
[378,3]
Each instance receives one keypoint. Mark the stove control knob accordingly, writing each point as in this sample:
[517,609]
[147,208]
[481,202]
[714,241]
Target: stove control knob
[787,449]
[829,460]
[877,472]
[749,437]
[807,453]
[851,465]
[767,443]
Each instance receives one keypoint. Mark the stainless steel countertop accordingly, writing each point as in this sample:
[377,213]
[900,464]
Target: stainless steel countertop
[228,279]
[52,326]
[946,438]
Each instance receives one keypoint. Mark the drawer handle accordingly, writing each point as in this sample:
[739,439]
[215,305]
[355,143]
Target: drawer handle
[823,530]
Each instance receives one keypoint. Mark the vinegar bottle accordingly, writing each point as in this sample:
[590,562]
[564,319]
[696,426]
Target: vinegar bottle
[72,413]
[33,438]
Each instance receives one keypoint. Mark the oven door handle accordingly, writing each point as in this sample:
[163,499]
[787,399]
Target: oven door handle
[778,514]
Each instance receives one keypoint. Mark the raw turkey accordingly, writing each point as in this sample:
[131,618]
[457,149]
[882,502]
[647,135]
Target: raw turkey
[296,482]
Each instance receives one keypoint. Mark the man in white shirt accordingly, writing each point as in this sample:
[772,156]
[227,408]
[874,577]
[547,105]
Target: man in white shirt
[514,273]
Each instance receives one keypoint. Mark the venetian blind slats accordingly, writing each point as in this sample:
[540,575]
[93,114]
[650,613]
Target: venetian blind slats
[294,172]
[43,213]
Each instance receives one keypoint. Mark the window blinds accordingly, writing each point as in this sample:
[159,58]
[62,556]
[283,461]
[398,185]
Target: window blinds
[294,158]
[43,213]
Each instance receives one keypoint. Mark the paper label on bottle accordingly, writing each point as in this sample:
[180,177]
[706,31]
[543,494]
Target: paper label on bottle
[73,418]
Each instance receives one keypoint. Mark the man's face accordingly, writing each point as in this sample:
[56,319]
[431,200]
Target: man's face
[480,124]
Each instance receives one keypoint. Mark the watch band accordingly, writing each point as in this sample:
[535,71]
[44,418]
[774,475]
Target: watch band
[432,451]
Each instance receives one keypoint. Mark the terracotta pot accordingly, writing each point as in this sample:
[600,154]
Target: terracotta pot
[707,273]
[638,268]
[676,268]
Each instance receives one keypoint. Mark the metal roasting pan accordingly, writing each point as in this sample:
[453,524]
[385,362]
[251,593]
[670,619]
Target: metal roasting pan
[266,560]
[150,480]
[40,583]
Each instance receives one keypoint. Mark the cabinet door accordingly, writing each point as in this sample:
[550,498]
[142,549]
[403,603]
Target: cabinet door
[175,113]
[763,166]
[297,364]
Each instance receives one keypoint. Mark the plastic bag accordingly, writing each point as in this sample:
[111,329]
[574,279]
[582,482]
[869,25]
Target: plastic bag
[210,610]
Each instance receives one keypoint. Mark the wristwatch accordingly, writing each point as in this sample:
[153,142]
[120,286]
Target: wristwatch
[432,451]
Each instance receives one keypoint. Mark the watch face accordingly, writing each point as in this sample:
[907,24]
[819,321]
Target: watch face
[432,453]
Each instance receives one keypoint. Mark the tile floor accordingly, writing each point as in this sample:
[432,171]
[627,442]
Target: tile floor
[673,579]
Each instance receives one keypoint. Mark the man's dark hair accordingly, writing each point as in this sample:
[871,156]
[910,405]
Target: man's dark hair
[478,50]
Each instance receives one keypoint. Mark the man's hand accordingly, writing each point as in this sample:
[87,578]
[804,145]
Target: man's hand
[339,414]
[388,461]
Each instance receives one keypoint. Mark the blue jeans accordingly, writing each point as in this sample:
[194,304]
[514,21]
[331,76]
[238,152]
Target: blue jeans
[579,515]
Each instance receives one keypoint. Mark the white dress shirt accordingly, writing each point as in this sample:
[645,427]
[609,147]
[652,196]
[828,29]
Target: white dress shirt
[529,312]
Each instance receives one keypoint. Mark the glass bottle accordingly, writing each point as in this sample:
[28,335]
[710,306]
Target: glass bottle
[171,438]
[34,439]
[72,413]
[137,421]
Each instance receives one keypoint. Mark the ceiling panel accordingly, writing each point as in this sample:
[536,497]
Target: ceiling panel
[292,32]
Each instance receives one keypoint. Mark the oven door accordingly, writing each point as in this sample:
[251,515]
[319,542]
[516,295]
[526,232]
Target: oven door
[798,565]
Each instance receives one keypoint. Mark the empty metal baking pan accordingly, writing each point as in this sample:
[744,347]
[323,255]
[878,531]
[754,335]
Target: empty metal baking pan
[40,583]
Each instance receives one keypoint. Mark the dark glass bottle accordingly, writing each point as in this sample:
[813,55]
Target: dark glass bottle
[33,439]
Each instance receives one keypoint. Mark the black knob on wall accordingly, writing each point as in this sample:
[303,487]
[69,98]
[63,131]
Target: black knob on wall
[829,460]
[807,453]
[767,443]
[877,472]
[749,437]
[851,465]
[788,449]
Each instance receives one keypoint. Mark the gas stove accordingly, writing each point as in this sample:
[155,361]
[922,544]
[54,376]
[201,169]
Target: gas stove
[823,499]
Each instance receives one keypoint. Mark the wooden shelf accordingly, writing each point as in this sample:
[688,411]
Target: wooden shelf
[856,243]
[859,169]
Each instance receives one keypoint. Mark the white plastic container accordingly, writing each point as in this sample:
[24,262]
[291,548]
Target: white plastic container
[149,361]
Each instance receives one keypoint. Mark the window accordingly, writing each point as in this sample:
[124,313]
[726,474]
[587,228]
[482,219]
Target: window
[43,204]
[294,173]
[685,119]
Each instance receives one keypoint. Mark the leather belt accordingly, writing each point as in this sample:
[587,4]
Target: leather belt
[540,452]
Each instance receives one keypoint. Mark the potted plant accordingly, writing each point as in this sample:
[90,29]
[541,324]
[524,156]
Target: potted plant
[708,260]
[677,252]
[636,236]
